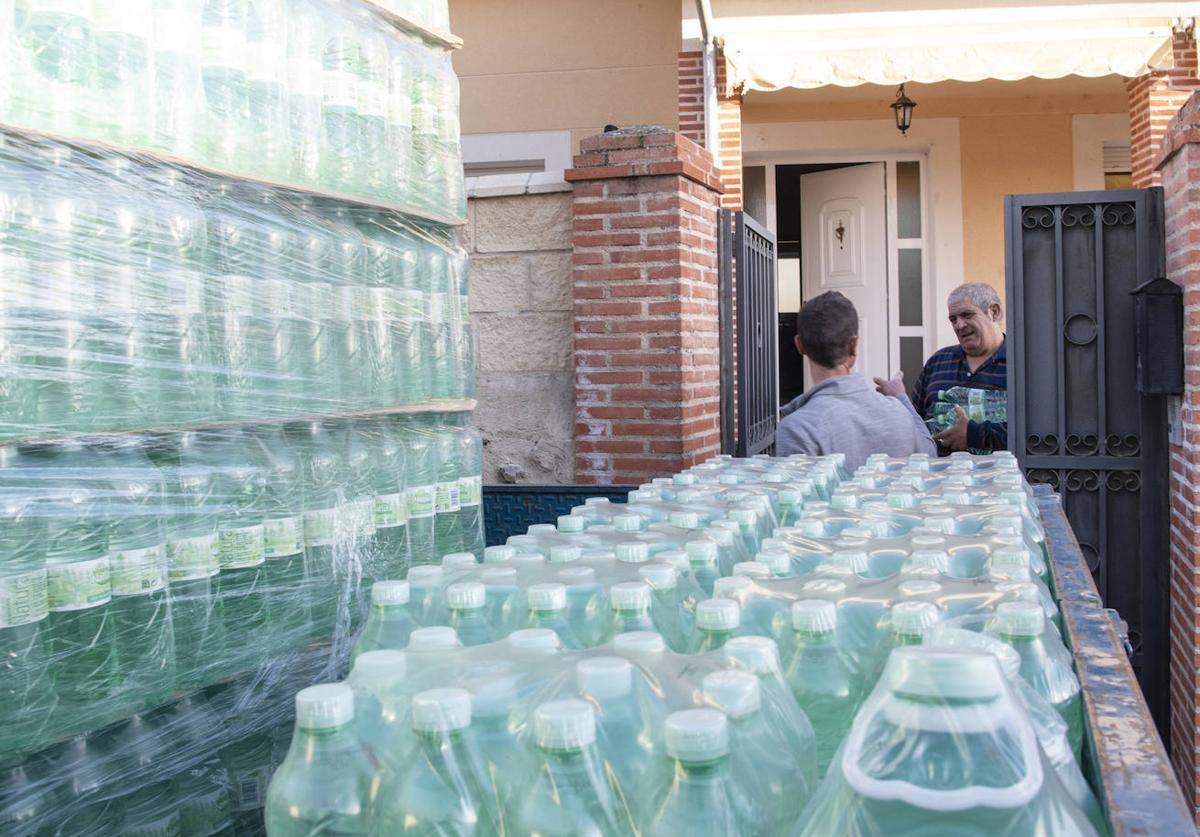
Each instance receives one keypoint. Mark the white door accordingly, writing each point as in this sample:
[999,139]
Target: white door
[843,245]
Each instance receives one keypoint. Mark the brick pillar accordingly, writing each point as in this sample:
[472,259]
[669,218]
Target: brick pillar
[729,117]
[647,389]
[1153,99]
[1178,166]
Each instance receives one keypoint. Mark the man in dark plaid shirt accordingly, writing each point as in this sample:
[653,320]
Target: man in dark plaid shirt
[979,361]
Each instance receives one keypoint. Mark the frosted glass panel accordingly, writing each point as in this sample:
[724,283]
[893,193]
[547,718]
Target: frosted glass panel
[908,200]
[912,302]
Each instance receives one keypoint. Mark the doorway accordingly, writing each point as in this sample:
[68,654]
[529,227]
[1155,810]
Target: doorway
[859,226]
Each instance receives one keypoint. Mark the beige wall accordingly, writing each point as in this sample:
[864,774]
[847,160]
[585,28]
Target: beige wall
[521,310]
[1014,137]
[544,65]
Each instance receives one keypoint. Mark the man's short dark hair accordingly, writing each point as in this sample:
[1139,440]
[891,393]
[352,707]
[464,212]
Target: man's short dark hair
[826,325]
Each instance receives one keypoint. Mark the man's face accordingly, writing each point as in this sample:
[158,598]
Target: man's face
[977,331]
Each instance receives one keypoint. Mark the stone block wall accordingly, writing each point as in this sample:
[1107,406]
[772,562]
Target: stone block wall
[521,310]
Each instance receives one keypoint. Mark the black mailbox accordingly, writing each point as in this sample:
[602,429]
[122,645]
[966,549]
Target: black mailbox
[1158,320]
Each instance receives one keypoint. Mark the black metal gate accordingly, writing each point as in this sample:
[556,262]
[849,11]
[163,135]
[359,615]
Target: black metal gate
[749,376]
[1076,419]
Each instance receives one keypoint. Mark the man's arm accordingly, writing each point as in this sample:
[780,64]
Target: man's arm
[925,443]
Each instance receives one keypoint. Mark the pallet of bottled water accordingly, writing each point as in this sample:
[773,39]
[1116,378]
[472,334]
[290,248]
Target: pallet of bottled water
[344,96]
[763,646]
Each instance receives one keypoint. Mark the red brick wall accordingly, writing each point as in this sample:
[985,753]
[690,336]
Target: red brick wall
[729,117]
[1178,165]
[1153,99]
[647,389]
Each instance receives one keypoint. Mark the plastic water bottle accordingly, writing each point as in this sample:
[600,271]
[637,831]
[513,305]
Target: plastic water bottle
[59,52]
[421,490]
[771,780]
[470,484]
[548,609]
[26,691]
[267,136]
[586,604]
[340,97]
[320,465]
[223,59]
[372,112]
[956,710]
[178,86]
[910,622]
[389,623]
[427,586]
[138,560]
[571,793]
[305,52]
[698,800]
[468,616]
[283,533]
[325,781]
[624,731]
[123,103]
[388,470]
[381,712]
[509,767]
[190,530]
[445,789]
[79,631]
[717,620]
[665,610]
[631,603]
[505,610]
[704,554]
[448,535]
[85,802]
[820,677]
[242,594]
[1045,663]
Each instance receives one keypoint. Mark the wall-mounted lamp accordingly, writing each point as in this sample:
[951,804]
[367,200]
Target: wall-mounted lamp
[903,106]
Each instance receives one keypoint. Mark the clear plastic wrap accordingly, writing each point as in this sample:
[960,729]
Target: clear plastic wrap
[324,94]
[523,736]
[227,406]
[138,295]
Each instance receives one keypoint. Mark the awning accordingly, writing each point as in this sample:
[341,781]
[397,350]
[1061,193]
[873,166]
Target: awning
[776,51]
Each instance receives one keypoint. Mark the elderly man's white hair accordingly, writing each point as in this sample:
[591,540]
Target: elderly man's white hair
[980,294]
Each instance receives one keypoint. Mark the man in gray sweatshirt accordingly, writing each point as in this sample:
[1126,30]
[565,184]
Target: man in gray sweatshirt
[841,412]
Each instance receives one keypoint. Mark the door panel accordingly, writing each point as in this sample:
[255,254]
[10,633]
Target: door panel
[843,242]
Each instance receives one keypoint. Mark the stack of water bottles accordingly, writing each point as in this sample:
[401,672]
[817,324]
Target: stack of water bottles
[318,93]
[764,646]
[227,408]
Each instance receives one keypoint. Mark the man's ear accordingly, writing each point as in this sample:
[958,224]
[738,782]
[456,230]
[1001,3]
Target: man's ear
[799,345]
[854,346]
[995,313]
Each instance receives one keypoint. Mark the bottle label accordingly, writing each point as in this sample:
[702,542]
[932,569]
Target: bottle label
[251,789]
[222,46]
[420,501]
[390,510]
[447,498]
[424,116]
[136,572]
[438,305]
[175,31]
[372,99]
[123,17]
[239,548]
[362,517]
[265,61]
[464,309]
[78,586]
[399,103]
[73,8]
[339,89]
[192,558]
[304,77]
[23,598]
[282,537]
[320,527]
[470,491]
